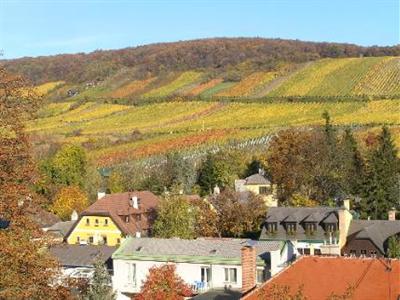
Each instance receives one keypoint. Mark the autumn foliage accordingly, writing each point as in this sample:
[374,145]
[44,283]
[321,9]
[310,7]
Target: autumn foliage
[162,283]
[67,200]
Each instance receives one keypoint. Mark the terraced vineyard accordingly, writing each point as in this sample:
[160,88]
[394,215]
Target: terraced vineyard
[117,133]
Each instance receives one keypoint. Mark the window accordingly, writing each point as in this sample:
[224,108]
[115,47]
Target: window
[96,222]
[307,251]
[118,241]
[300,250]
[373,253]
[131,274]
[310,227]
[91,240]
[138,217]
[363,252]
[87,221]
[260,275]
[78,239]
[317,251]
[353,252]
[272,227]
[231,275]
[263,190]
[105,222]
[330,227]
[104,239]
[126,219]
[291,227]
[205,274]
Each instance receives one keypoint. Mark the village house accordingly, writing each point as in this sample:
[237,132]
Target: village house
[206,264]
[311,230]
[113,217]
[370,238]
[258,185]
[320,277]
[77,261]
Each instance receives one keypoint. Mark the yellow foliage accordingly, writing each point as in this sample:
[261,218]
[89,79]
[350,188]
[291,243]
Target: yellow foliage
[67,200]
[298,200]
[131,88]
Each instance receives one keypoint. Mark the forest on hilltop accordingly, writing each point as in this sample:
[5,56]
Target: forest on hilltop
[217,55]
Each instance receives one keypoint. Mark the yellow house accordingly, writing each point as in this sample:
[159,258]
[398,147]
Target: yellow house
[113,217]
[258,185]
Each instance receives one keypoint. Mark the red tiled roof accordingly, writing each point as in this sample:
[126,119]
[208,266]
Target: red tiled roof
[117,206]
[373,279]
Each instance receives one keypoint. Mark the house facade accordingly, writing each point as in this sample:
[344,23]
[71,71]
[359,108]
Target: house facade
[258,185]
[204,263]
[370,238]
[113,217]
[311,230]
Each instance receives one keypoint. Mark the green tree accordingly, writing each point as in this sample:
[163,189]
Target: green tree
[115,183]
[393,250]
[352,165]
[69,166]
[381,188]
[220,169]
[175,217]
[100,286]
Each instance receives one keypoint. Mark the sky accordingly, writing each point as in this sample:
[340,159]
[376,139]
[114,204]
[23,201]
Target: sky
[35,28]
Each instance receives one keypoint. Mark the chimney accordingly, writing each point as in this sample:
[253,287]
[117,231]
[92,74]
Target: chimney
[135,202]
[248,254]
[100,195]
[392,214]
[345,218]
[74,216]
[346,204]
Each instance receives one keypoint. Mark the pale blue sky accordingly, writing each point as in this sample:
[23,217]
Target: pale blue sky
[33,28]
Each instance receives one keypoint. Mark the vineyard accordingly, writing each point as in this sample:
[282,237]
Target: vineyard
[116,133]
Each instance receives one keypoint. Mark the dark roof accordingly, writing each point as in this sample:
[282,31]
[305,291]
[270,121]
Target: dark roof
[4,224]
[40,216]
[219,294]
[118,205]
[256,179]
[300,216]
[61,228]
[81,255]
[378,231]
[213,248]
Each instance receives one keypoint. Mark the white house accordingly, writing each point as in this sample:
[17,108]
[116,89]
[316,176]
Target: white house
[203,263]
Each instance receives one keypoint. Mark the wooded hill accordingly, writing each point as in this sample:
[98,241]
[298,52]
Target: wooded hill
[217,55]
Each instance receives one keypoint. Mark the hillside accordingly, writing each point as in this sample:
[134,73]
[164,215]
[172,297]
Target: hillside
[187,101]
[217,55]
[115,133]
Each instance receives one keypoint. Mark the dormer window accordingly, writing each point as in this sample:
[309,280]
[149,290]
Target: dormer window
[291,228]
[263,190]
[126,219]
[272,227]
[310,227]
[330,227]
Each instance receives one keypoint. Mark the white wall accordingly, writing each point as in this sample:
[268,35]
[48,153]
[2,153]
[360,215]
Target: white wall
[187,271]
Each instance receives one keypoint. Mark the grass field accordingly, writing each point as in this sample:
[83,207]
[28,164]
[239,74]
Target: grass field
[181,125]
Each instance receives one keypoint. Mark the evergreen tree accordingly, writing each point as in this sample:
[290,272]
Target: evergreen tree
[352,165]
[381,188]
[100,285]
[394,247]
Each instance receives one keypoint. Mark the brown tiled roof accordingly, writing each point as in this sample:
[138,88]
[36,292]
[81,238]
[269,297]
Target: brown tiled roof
[372,279]
[117,206]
